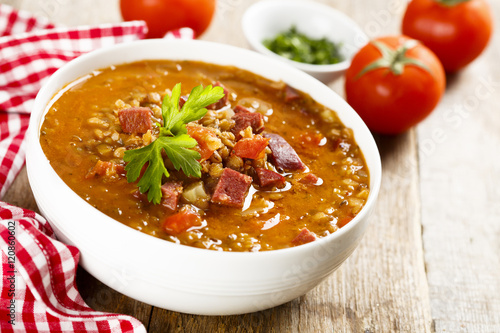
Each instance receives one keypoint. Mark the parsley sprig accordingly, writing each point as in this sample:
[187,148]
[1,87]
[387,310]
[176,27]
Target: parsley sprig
[173,140]
[297,46]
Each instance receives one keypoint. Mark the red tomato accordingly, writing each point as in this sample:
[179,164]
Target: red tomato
[456,30]
[207,141]
[180,222]
[165,15]
[393,83]
[251,147]
[311,139]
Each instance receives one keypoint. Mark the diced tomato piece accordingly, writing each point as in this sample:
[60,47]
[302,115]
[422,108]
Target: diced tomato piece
[180,222]
[267,178]
[253,148]
[309,179]
[311,139]
[135,120]
[344,220]
[304,236]
[106,169]
[208,142]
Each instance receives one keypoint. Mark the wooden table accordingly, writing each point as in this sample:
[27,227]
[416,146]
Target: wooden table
[430,261]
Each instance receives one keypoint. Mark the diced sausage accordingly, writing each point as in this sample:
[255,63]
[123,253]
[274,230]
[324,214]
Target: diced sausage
[244,118]
[180,222]
[221,102]
[136,120]
[106,169]
[291,94]
[253,147]
[207,139]
[304,236]
[268,178]
[231,188]
[283,155]
[309,179]
[171,193]
[341,144]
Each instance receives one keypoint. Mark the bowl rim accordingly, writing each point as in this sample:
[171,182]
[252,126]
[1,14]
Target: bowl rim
[255,9]
[40,109]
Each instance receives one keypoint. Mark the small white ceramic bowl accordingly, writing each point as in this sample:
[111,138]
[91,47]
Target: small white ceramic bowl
[178,277]
[266,19]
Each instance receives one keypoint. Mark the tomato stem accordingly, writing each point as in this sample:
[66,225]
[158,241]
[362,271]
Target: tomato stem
[451,3]
[394,60]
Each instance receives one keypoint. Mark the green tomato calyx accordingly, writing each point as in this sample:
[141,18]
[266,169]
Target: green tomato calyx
[450,3]
[394,60]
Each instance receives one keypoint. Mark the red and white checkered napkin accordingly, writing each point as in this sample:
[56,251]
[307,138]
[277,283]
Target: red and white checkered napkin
[38,272]
[38,291]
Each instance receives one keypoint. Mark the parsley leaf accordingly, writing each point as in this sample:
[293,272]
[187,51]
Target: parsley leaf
[194,108]
[149,155]
[181,157]
[173,140]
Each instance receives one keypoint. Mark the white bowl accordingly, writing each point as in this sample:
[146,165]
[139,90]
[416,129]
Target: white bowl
[178,277]
[266,19]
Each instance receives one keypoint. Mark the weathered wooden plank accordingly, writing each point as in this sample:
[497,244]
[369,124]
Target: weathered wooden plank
[102,298]
[460,177]
[71,13]
[19,194]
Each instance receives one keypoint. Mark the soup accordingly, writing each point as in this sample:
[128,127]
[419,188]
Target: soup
[277,169]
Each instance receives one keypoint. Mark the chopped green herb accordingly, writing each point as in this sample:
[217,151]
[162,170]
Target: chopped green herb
[296,46]
[173,139]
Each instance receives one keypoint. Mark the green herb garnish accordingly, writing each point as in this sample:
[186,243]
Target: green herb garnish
[173,139]
[296,46]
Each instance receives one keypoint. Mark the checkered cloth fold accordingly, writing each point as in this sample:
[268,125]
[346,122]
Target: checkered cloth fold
[38,273]
[38,291]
